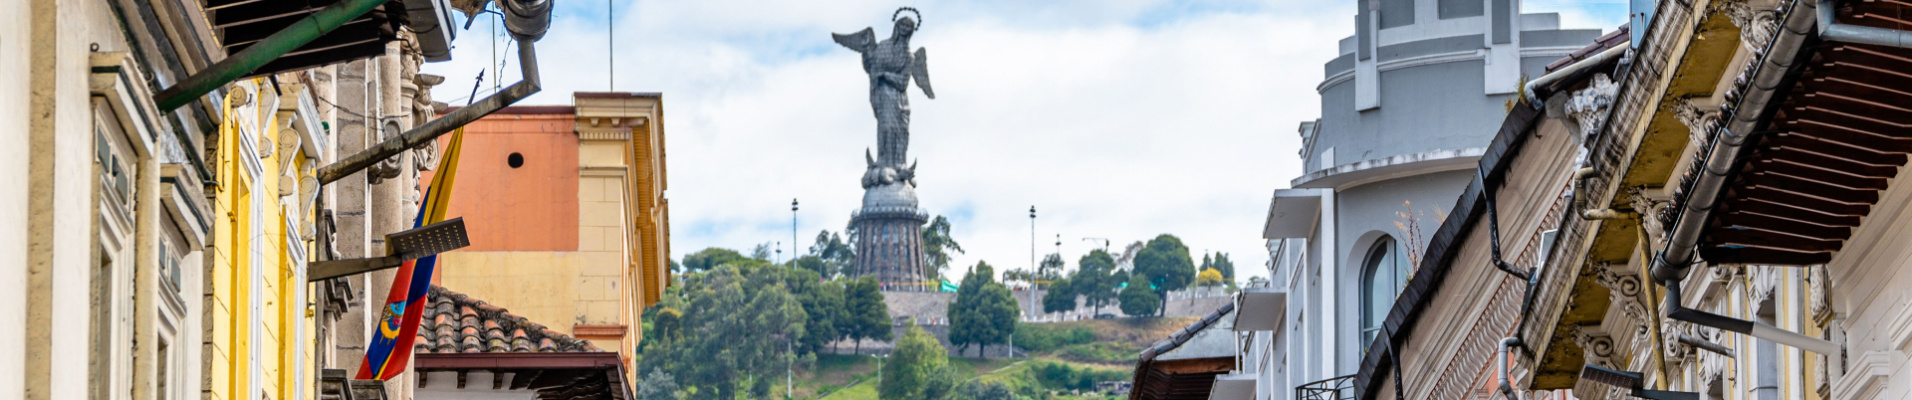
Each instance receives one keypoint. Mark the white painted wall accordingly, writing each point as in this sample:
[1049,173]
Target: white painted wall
[14,37]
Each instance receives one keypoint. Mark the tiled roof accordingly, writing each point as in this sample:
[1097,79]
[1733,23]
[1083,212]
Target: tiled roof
[1619,37]
[456,323]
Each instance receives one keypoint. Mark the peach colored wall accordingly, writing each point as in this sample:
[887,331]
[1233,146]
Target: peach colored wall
[530,208]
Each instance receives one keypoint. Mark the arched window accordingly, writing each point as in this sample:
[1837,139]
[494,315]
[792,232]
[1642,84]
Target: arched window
[1383,275]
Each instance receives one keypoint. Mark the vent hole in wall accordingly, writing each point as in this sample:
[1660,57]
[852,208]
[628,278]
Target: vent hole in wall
[515,160]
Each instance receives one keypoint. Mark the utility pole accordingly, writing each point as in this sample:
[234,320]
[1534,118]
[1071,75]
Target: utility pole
[1032,281]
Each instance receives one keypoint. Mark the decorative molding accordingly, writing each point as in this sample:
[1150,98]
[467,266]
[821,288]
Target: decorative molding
[1898,329]
[1867,374]
[602,134]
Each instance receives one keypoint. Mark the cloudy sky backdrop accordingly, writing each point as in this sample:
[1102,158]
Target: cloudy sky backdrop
[1117,119]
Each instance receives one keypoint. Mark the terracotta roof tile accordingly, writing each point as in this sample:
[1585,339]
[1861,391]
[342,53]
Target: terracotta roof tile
[456,323]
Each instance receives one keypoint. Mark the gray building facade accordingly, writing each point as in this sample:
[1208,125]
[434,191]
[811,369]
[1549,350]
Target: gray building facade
[1407,108]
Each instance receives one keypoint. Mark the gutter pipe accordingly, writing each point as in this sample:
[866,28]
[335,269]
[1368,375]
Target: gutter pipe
[1834,31]
[1716,348]
[265,51]
[526,29]
[1537,89]
[1671,266]
[1672,263]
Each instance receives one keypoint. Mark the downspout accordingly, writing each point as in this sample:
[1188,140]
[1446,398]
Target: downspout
[527,20]
[1756,329]
[1832,30]
[271,48]
[1507,383]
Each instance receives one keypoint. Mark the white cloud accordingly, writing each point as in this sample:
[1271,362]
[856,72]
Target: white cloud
[1116,119]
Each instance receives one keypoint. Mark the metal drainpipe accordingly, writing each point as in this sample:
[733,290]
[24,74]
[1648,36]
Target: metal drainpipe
[1507,383]
[527,61]
[1834,31]
[271,48]
[1539,87]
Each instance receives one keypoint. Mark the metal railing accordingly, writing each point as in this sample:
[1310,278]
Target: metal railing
[1336,388]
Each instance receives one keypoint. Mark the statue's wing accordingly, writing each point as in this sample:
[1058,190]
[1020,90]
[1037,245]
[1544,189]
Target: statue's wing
[860,41]
[919,70]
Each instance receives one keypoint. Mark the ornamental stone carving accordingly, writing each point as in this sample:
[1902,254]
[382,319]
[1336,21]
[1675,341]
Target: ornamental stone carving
[1820,286]
[1589,106]
[1756,26]
[1700,119]
[1597,345]
[1651,212]
[1765,285]
[1670,331]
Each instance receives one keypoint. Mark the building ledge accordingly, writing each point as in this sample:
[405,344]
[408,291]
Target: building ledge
[1359,173]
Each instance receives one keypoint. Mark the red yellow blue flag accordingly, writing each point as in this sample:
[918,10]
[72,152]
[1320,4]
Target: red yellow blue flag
[391,345]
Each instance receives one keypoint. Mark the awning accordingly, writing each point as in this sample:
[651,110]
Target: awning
[1261,309]
[1235,386]
[1293,213]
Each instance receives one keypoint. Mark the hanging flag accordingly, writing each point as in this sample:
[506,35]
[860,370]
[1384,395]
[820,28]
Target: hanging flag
[391,347]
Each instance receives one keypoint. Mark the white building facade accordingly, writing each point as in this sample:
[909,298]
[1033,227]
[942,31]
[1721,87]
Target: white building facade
[1407,110]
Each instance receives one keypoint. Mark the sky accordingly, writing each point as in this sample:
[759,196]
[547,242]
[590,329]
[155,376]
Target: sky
[1118,120]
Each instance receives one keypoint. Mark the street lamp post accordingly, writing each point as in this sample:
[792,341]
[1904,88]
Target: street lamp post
[793,228]
[879,371]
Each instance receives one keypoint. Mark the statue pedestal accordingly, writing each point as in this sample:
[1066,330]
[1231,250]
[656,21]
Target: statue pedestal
[889,243]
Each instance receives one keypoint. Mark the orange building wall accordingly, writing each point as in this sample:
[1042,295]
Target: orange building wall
[530,208]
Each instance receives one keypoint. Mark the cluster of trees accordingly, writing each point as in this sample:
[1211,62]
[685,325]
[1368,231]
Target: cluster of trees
[1160,265]
[984,311]
[736,323]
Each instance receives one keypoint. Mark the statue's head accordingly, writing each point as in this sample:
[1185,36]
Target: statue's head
[905,25]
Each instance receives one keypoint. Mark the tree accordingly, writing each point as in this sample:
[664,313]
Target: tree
[658,385]
[1095,279]
[985,390]
[710,258]
[1060,297]
[760,252]
[936,246]
[1219,262]
[738,321]
[813,264]
[837,254]
[943,382]
[984,311]
[1165,263]
[1137,299]
[1208,277]
[822,303]
[1051,267]
[867,316]
[917,358]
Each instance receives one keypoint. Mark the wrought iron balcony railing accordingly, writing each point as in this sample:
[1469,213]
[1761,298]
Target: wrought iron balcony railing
[1336,388]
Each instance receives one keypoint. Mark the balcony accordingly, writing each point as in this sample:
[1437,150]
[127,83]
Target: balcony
[1336,388]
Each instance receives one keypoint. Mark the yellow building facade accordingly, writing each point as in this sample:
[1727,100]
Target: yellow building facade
[258,327]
